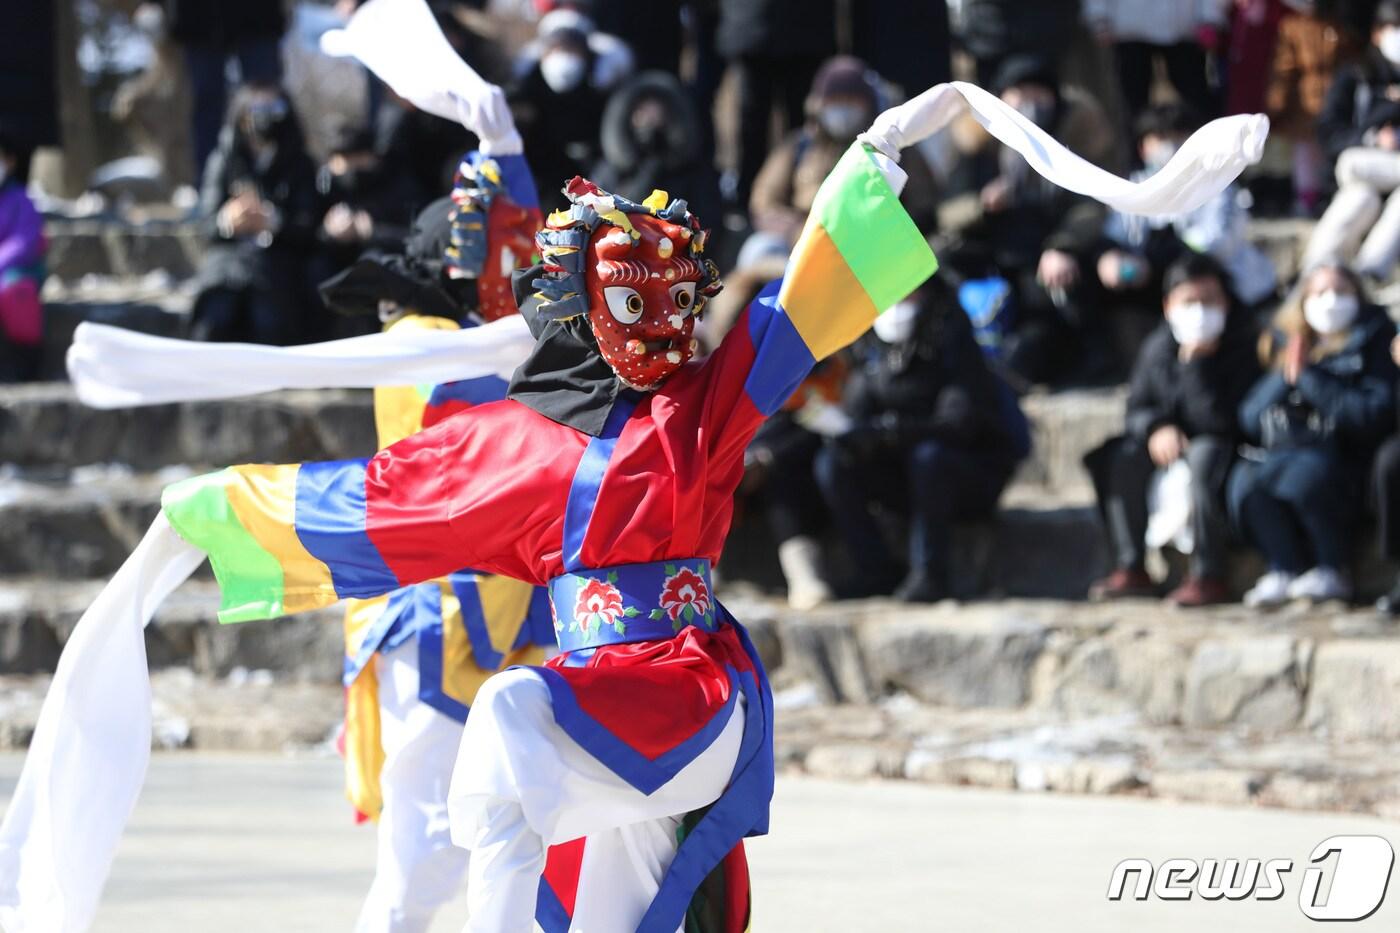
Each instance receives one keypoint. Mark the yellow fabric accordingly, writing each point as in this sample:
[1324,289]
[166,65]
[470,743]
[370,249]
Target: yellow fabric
[264,499]
[398,410]
[504,603]
[364,753]
[822,296]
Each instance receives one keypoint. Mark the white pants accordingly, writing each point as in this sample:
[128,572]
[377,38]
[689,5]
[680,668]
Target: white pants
[521,784]
[417,869]
[1364,216]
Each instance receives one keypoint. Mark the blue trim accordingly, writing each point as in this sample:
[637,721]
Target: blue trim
[474,621]
[742,810]
[518,180]
[549,910]
[329,517]
[476,391]
[781,358]
[376,633]
[588,479]
[645,774]
[430,689]
[539,622]
[640,586]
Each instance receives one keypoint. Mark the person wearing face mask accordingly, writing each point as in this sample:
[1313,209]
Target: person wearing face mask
[558,101]
[1008,222]
[22,248]
[1186,385]
[264,212]
[651,140]
[844,98]
[1314,421]
[1140,248]
[933,433]
[1360,128]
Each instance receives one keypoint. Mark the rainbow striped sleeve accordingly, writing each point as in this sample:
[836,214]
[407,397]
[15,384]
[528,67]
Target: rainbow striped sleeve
[282,539]
[858,255]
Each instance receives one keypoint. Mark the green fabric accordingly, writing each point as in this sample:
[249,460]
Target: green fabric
[872,231]
[250,578]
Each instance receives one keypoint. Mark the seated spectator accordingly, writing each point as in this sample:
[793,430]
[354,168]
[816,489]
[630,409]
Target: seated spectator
[1386,482]
[1141,247]
[844,100]
[1310,46]
[651,140]
[558,101]
[612,59]
[22,249]
[1041,238]
[1316,417]
[369,207]
[263,210]
[1185,391]
[1360,129]
[933,433]
[1143,32]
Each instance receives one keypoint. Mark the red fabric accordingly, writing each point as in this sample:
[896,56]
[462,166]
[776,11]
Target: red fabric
[562,866]
[655,695]
[505,471]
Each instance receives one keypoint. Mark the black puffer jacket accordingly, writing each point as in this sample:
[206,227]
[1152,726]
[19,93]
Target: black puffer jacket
[1199,397]
[1363,97]
[223,22]
[935,384]
[670,160]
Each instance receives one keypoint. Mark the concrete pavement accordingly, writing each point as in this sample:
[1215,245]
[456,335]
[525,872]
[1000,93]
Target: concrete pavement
[243,844]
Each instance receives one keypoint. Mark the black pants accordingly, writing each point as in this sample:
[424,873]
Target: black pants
[1057,339]
[1186,69]
[781,478]
[764,83]
[1296,506]
[937,483]
[1386,482]
[1121,470]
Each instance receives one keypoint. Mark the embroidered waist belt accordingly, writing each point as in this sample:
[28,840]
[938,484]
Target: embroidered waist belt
[631,602]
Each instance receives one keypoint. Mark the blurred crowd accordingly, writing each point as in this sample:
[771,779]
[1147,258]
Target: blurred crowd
[1260,413]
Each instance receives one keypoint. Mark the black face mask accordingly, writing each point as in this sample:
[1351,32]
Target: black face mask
[265,119]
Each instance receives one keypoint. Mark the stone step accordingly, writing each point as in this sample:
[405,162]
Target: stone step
[80,247]
[1325,670]
[43,425]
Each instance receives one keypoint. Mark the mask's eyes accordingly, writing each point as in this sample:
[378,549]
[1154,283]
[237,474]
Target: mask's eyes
[624,304]
[683,296]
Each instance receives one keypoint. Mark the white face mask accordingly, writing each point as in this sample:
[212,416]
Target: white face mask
[1195,323]
[1390,45]
[563,71]
[842,121]
[897,324]
[1329,312]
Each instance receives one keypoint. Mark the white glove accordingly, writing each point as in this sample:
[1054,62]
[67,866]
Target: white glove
[487,114]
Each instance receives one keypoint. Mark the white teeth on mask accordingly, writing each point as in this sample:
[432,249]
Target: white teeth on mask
[675,321]
[673,357]
[665,248]
[507,261]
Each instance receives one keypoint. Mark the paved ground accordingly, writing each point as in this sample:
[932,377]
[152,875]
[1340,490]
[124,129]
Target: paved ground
[243,844]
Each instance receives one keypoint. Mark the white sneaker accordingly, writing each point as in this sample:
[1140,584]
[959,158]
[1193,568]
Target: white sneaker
[1269,590]
[1321,584]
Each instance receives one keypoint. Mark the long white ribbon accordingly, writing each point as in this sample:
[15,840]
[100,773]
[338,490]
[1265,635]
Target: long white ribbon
[1212,158]
[91,745]
[116,368]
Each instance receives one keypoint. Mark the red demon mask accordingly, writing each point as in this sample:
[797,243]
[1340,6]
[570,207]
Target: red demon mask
[637,271]
[492,236]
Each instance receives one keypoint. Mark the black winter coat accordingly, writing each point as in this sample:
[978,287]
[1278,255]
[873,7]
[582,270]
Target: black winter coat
[935,384]
[777,28]
[1363,97]
[224,22]
[1199,397]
